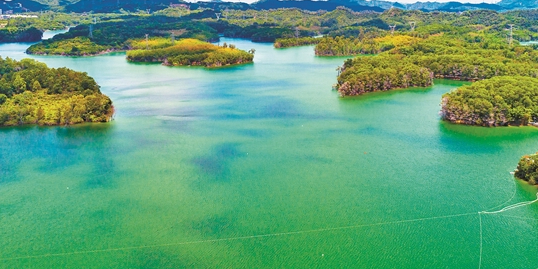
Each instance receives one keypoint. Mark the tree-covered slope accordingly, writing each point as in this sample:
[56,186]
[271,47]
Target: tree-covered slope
[32,93]
[497,101]
[114,35]
[187,52]
[469,56]
[527,169]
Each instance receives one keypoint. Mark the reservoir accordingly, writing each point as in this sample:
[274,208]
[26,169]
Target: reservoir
[261,166]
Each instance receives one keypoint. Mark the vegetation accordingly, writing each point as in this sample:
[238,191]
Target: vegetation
[20,35]
[471,57]
[355,29]
[115,35]
[527,169]
[294,42]
[381,73]
[78,46]
[341,46]
[188,52]
[19,29]
[497,101]
[32,93]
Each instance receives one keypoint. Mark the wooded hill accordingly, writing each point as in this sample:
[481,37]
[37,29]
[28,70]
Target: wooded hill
[187,52]
[32,93]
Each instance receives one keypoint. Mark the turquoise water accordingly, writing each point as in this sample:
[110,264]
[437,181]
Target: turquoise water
[50,33]
[528,43]
[261,166]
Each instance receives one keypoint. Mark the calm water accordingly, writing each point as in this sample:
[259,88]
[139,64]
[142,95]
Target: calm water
[528,43]
[48,34]
[260,166]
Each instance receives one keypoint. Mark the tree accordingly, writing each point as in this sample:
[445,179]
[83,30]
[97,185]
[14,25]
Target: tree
[19,83]
[36,86]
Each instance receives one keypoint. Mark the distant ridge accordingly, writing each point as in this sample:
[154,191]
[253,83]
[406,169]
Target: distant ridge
[314,5]
[512,4]
[355,5]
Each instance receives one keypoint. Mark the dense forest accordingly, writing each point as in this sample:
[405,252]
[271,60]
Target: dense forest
[187,52]
[294,42]
[341,46]
[21,35]
[114,35]
[471,57]
[348,32]
[32,93]
[527,169]
[471,45]
[381,73]
[499,101]
[260,26]
[30,29]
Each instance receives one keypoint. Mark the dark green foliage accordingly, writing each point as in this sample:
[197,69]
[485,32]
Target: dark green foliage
[493,102]
[255,32]
[473,56]
[314,5]
[527,169]
[114,5]
[31,29]
[294,42]
[381,73]
[20,35]
[115,35]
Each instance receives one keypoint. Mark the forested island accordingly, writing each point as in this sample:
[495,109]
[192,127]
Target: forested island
[32,93]
[527,169]
[187,52]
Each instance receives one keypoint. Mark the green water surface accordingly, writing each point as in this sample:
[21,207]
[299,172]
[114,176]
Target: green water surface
[261,166]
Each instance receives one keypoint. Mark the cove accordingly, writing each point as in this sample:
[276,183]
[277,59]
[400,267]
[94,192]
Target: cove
[260,166]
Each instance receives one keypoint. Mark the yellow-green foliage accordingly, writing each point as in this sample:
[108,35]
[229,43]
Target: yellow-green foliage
[190,52]
[152,43]
[54,109]
[396,40]
[496,101]
[471,56]
[341,46]
[32,93]
[77,46]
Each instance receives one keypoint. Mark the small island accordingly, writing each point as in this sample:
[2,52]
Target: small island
[527,169]
[499,101]
[32,93]
[188,52]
